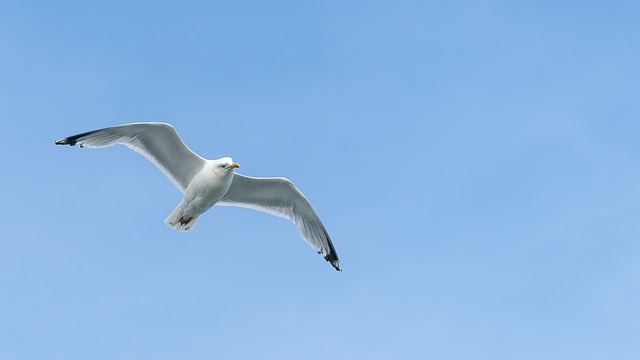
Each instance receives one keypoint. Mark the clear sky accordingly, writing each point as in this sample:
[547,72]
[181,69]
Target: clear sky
[475,162]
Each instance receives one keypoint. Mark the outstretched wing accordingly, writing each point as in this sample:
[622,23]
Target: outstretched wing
[158,142]
[279,197]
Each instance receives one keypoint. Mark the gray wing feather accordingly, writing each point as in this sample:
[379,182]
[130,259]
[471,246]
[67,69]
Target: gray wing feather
[279,197]
[158,142]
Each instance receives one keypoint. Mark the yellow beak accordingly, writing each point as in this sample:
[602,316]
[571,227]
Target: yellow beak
[235,165]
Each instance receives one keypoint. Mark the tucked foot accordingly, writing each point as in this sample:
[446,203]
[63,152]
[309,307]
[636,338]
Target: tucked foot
[184,221]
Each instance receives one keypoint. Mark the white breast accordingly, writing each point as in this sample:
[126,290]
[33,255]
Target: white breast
[205,189]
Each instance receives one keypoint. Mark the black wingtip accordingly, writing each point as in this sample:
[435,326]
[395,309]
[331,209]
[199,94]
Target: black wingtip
[73,140]
[332,255]
[332,258]
[64,141]
[334,263]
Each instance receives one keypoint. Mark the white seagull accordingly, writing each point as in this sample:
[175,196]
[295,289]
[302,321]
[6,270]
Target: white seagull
[205,183]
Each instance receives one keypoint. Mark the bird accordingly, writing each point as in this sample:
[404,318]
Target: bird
[205,183]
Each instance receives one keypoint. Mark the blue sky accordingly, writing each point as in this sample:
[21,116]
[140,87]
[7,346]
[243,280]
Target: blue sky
[476,164]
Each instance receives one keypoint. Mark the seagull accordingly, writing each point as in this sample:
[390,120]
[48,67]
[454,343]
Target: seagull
[205,183]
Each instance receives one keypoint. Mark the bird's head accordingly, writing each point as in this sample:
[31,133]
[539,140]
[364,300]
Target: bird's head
[225,164]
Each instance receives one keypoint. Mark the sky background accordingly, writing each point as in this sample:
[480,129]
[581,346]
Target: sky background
[475,162]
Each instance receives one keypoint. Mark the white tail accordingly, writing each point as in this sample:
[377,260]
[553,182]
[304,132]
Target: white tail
[176,221]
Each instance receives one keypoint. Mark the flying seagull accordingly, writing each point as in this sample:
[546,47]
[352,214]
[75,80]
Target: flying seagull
[205,183]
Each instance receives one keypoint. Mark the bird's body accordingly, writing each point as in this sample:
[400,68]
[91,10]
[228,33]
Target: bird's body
[206,188]
[206,183]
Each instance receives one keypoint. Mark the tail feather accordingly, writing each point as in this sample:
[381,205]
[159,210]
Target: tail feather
[178,222]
